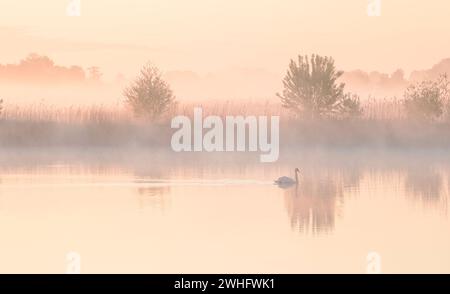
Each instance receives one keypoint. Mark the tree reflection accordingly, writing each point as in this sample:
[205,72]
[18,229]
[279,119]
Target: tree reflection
[425,184]
[153,197]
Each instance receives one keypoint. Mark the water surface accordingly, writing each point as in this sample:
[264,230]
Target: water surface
[190,216]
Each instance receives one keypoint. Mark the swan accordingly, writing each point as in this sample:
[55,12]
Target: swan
[287,181]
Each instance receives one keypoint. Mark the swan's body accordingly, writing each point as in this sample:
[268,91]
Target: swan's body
[284,181]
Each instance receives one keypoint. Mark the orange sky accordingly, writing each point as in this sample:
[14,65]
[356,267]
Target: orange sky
[213,35]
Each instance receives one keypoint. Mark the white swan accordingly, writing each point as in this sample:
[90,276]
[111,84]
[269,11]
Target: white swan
[284,181]
[287,181]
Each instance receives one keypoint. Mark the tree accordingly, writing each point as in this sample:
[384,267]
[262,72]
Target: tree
[149,95]
[426,100]
[95,73]
[350,106]
[1,106]
[34,60]
[311,89]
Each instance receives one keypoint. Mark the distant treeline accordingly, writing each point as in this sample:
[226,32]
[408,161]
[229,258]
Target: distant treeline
[41,69]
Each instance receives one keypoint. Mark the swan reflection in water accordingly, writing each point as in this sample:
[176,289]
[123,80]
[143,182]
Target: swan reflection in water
[314,202]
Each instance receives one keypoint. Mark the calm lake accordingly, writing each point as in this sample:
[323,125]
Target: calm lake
[165,213]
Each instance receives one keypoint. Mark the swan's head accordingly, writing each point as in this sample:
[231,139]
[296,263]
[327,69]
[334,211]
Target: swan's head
[297,170]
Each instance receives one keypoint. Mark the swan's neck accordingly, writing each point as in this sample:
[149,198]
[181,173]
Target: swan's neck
[296,176]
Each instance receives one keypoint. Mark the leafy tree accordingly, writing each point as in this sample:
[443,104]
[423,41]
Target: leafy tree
[350,106]
[34,60]
[311,89]
[426,100]
[149,95]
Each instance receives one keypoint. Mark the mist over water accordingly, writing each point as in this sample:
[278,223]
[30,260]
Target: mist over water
[163,212]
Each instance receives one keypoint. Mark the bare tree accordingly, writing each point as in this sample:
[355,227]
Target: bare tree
[94,73]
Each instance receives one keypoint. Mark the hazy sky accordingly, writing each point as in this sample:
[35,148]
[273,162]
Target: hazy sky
[211,35]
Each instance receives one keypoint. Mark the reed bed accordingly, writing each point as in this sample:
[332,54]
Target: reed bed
[386,109]
[383,123]
[69,114]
